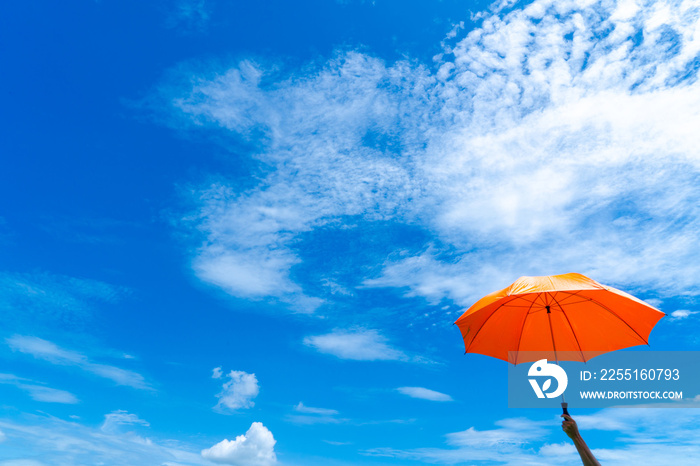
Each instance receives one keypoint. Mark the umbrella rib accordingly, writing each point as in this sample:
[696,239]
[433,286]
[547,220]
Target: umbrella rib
[613,313]
[571,294]
[514,306]
[483,325]
[571,327]
[511,298]
[551,333]
[522,329]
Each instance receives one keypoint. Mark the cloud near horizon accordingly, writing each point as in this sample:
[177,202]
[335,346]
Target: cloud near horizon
[255,448]
[644,437]
[64,442]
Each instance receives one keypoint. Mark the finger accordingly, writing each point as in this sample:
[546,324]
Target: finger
[567,417]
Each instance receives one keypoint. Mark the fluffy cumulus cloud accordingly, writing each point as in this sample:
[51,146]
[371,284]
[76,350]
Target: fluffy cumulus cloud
[255,448]
[557,137]
[424,393]
[358,344]
[238,392]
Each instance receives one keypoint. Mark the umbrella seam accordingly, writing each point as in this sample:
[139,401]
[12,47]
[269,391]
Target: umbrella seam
[484,324]
[511,298]
[571,327]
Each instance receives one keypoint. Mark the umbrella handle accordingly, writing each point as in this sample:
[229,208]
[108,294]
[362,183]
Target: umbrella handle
[563,407]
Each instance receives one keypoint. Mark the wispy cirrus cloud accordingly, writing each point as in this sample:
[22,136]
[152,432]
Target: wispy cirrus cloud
[54,441]
[357,344]
[310,415]
[114,420]
[54,354]
[301,408]
[39,392]
[424,393]
[553,138]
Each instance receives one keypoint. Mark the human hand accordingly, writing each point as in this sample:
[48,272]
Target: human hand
[569,426]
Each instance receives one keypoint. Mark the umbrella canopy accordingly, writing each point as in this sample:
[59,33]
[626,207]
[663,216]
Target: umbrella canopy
[562,317]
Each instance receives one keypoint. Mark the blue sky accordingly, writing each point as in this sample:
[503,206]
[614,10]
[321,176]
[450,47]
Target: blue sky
[239,232]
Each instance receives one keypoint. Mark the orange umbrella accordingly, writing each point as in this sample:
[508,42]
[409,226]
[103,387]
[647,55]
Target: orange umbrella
[560,317]
[559,313]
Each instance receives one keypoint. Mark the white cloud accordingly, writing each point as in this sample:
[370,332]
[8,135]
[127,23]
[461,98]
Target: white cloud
[336,288]
[216,373]
[311,415]
[310,410]
[238,392]
[425,275]
[555,138]
[39,392]
[424,394]
[49,395]
[682,314]
[357,344]
[55,441]
[558,449]
[643,436]
[21,463]
[255,448]
[510,432]
[48,351]
[118,418]
[506,444]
